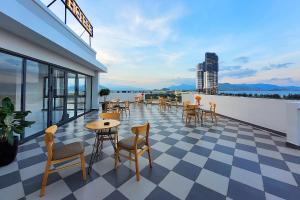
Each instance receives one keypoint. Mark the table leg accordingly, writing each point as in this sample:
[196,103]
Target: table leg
[95,152]
[114,145]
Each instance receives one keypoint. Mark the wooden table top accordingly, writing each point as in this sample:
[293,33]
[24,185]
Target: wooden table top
[99,124]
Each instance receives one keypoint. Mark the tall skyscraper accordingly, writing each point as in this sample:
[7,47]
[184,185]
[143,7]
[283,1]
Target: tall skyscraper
[207,74]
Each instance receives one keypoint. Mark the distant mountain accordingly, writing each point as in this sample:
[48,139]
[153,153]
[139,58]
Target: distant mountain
[182,87]
[119,87]
[255,87]
[240,87]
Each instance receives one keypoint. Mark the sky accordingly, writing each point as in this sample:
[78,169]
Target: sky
[157,43]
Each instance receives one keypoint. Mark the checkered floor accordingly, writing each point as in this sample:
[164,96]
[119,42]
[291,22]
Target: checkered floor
[229,160]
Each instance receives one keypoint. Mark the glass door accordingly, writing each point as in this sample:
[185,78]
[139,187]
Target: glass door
[71,95]
[58,96]
[81,94]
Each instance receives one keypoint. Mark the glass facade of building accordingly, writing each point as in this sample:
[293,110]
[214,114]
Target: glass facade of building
[53,94]
[207,74]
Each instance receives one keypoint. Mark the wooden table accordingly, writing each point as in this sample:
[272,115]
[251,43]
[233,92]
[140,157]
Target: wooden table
[200,110]
[98,127]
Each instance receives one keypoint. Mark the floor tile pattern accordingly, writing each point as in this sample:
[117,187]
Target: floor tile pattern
[227,160]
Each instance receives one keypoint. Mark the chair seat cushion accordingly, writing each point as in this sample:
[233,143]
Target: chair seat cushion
[67,150]
[128,143]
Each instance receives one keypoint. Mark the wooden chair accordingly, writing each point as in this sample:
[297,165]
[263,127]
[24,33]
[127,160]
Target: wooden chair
[162,104]
[110,107]
[184,107]
[175,103]
[137,145]
[115,116]
[59,154]
[211,112]
[191,112]
[125,108]
[149,101]
[137,100]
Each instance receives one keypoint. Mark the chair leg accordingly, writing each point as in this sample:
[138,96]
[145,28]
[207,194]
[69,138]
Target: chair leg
[130,157]
[149,157]
[137,167]
[117,157]
[82,159]
[45,179]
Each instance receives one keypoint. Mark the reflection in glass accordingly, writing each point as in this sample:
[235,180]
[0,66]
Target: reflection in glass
[81,94]
[36,96]
[11,78]
[71,95]
[58,96]
[88,93]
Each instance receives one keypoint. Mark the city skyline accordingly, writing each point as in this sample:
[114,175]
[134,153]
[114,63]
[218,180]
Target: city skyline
[155,44]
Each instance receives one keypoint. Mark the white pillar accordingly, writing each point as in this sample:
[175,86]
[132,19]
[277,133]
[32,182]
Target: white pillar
[95,90]
[293,123]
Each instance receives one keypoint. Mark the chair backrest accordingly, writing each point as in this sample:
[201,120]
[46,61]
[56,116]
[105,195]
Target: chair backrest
[191,108]
[115,116]
[141,132]
[110,105]
[49,139]
[126,104]
[212,106]
[185,104]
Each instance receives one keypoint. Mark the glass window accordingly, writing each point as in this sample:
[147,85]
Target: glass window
[88,93]
[71,95]
[81,94]
[11,78]
[58,96]
[36,96]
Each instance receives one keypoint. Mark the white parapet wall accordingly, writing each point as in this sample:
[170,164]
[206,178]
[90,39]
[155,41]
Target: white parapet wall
[121,96]
[268,113]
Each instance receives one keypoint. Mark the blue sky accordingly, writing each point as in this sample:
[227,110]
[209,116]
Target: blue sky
[155,44]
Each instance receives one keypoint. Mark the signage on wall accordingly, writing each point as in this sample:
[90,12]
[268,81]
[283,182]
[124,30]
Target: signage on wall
[77,12]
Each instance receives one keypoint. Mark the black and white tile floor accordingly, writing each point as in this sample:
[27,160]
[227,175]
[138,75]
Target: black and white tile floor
[229,160]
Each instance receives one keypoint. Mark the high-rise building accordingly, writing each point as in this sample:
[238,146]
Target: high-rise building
[207,74]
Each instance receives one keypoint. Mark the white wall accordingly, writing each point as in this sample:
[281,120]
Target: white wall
[268,113]
[121,96]
[14,43]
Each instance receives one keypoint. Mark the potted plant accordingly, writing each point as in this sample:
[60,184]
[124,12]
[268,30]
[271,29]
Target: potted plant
[198,99]
[11,122]
[104,93]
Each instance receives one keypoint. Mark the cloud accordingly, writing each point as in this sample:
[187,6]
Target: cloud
[283,81]
[171,58]
[241,59]
[192,69]
[277,66]
[230,68]
[240,73]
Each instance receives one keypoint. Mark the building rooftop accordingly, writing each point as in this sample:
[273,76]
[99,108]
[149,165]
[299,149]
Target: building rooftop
[34,22]
[230,159]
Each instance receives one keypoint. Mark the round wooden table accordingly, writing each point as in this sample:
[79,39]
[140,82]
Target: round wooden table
[99,124]
[101,130]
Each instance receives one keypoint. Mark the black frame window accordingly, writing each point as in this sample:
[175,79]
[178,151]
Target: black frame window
[49,91]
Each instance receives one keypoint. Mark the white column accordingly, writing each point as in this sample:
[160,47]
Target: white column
[293,123]
[95,90]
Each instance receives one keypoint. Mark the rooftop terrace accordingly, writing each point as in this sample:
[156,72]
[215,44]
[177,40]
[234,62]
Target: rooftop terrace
[230,159]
